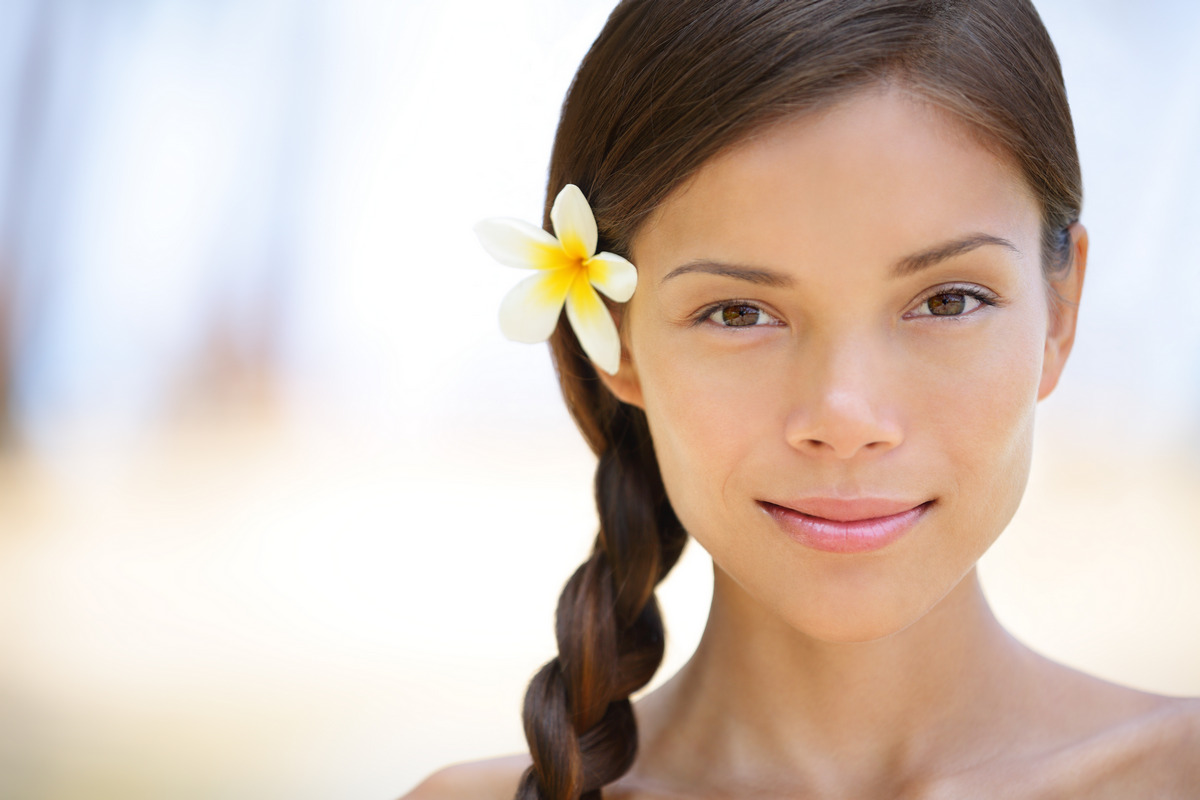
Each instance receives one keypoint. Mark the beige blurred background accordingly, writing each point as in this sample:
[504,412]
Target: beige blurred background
[282,514]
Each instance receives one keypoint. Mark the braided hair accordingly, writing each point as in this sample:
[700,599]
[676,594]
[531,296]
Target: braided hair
[578,718]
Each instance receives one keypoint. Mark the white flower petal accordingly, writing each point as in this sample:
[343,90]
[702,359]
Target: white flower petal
[516,243]
[612,275]
[574,224]
[594,326]
[530,310]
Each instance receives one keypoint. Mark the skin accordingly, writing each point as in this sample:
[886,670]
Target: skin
[879,674]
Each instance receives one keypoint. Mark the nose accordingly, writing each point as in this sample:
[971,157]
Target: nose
[843,404]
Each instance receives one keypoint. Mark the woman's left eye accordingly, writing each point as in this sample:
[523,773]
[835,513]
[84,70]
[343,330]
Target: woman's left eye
[955,301]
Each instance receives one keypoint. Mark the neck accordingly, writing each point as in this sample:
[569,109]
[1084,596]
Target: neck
[760,698]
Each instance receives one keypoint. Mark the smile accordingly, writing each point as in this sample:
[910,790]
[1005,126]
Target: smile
[851,526]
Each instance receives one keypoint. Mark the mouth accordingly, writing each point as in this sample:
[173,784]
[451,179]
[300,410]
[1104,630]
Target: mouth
[847,526]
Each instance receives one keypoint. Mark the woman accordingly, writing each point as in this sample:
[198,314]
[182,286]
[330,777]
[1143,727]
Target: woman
[859,259]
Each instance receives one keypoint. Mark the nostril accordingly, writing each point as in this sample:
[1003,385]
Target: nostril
[847,443]
[845,419]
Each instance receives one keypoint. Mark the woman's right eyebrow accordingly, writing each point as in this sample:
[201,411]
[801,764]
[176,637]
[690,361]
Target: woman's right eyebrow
[757,275]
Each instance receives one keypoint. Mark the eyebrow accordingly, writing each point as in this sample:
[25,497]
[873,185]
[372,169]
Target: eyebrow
[762,277]
[946,250]
[903,268]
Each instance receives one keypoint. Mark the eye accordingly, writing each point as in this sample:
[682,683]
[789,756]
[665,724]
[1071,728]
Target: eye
[955,301]
[738,314]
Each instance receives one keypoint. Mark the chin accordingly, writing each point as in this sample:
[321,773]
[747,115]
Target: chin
[853,625]
[853,631]
[855,605]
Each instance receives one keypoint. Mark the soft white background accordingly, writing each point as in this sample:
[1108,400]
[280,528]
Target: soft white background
[288,517]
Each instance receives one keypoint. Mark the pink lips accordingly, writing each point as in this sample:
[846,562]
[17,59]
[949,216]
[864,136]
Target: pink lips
[846,526]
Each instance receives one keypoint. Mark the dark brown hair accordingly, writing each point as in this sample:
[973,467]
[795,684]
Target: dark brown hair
[666,86]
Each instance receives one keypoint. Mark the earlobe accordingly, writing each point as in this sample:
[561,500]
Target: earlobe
[625,385]
[1064,312]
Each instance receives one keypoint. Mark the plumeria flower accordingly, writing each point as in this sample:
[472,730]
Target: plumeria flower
[567,268]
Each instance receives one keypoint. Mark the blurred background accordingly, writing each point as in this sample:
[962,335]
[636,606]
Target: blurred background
[283,515]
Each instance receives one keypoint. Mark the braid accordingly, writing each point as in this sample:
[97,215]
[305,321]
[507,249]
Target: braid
[578,718]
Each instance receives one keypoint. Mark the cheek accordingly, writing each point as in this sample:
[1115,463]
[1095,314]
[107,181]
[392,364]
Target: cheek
[703,425]
[975,431]
[710,415]
[979,400]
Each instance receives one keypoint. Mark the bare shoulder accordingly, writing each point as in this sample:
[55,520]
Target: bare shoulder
[1172,729]
[1143,745]
[1176,730]
[1155,753]
[488,779]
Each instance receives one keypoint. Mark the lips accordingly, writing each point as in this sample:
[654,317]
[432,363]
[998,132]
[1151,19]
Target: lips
[838,525]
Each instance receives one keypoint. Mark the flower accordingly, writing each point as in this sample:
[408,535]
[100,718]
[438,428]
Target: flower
[567,269]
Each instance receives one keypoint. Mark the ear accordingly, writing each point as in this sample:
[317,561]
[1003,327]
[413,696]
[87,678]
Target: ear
[1064,311]
[625,385]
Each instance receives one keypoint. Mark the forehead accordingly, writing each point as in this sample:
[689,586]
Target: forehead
[867,180]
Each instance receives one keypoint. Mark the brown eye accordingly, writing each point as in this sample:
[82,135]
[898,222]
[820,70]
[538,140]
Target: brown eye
[948,304]
[738,316]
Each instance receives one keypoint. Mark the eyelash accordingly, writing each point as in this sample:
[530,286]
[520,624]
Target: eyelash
[984,297]
[703,314]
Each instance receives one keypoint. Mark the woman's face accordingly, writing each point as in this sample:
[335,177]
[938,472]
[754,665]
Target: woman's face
[804,332]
